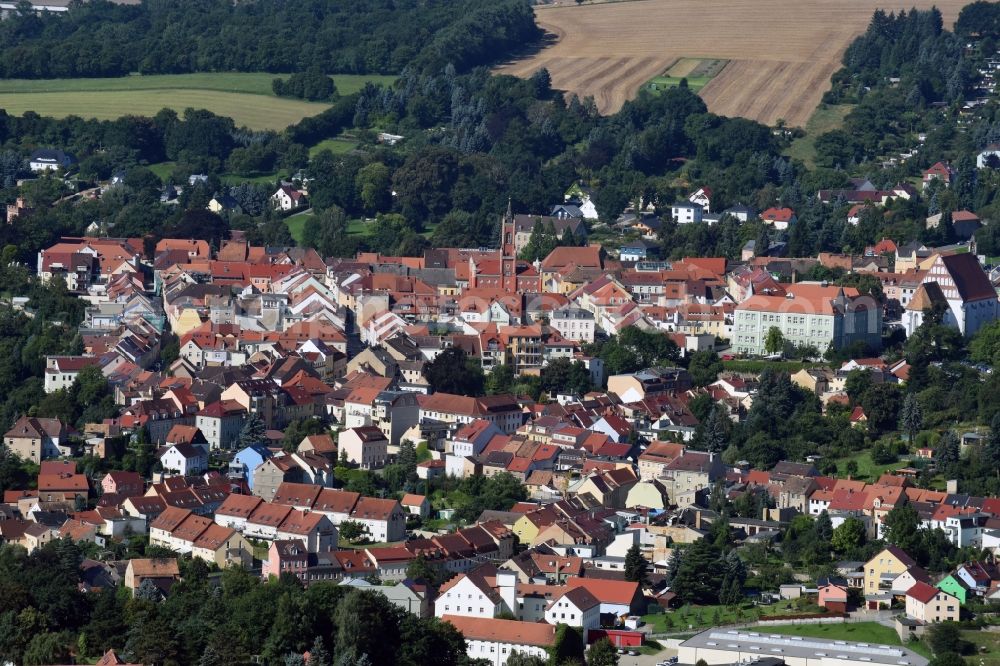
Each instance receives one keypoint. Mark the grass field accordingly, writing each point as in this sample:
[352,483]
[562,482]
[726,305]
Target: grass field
[863,632]
[696,71]
[987,645]
[245,97]
[337,146]
[297,224]
[781,52]
[826,118]
[867,470]
[700,617]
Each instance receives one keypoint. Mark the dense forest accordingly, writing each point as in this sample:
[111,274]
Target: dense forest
[103,38]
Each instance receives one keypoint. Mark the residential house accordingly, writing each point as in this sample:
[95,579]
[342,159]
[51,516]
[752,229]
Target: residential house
[833,594]
[416,505]
[162,572]
[287,198]
[881,569]
[123,484]
[930,605]
[383,518]
[49,159]
[576,607]
[185,459]
[365,446]
[779,218]
[35,439]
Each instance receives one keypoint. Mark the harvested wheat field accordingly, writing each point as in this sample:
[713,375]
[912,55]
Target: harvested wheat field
[781,53]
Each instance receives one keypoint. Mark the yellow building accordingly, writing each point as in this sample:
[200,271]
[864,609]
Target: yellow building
[884,567]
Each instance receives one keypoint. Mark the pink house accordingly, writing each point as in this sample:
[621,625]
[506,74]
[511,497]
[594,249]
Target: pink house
[126,484]
[833,594]
[285,556]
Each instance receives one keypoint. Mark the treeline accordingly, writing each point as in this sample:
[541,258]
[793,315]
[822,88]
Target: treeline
[101,38]
[46,619]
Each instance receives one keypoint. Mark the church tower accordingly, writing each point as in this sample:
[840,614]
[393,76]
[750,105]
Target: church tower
[508,253]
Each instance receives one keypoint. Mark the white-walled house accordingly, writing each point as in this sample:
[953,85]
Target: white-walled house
[365,446]
[577,608]
[685,212]
[185,459]
[468,595]
[288,198]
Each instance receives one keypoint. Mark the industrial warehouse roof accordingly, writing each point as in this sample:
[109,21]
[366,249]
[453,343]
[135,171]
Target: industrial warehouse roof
[749,644]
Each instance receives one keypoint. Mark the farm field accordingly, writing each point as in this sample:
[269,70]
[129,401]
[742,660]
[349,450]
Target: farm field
[696,71]
[246,97]
[781,52]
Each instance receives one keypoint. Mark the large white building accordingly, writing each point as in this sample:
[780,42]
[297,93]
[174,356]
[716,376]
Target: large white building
[807,314]
[574,324]
[496,640]
[958,281]
[733,646]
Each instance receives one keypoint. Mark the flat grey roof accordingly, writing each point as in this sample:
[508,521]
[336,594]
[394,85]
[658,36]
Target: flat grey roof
[803,647]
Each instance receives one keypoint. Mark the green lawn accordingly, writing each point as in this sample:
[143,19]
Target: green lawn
[702,617]
[233,179]
[987,646]
[337,146]
[297,224]
[863,632]
[825,118]
[163,169]
[245,97]
[867,470]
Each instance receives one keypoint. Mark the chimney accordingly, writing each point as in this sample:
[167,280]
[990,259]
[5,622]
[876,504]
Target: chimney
[697,519]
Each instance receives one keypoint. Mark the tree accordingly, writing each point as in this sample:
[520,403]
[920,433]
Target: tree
[881,404]
[636,566]
[848,536]
[716,431]
[374,183]
[368,623]
[774,343]
[567,648]
[420,568]
[902,528]
[318,654]
[602,653]
[946,637]
[253,431]
[947,659]
[948,449]
[563,375]
[407,459]
[452,372]
[700,573]
[326,232]
[521,659]
[911,417]
[704,367]
[351,530]
[823,527]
